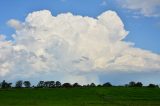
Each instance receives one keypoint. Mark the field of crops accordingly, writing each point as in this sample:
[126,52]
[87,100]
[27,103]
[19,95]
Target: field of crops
[98,96]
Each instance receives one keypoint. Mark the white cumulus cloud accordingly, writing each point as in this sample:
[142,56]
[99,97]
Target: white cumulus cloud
[71,48]
[15,24]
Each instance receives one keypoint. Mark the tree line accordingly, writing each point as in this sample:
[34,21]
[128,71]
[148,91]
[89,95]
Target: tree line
[58,84]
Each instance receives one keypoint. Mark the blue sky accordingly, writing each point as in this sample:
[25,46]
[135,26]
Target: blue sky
[144,31]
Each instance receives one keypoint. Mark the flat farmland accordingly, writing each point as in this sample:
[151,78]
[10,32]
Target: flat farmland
[93,96]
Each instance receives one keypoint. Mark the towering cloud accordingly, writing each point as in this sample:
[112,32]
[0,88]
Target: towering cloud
[71,48]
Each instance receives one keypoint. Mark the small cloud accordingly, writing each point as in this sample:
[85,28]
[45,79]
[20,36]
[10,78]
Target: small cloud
[148,8]
[136,16]
[63,0]
[104,3]
[15,24]
[2,37]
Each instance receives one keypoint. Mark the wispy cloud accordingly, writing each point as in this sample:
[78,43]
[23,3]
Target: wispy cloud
[104,3]
[63,0]
[149,8]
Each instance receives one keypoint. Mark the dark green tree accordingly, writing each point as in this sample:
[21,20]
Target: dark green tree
[138,84]
[58,84]
[76,85]
[99,85]
[92,85]
[107,84]
[19,84]
[67,85]
[52,84]
[152,86]
[41,84]
[4,84]
[132,84]
[47,84]
[27,84]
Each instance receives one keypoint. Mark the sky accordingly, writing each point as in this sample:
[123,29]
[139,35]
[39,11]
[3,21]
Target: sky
[81,39]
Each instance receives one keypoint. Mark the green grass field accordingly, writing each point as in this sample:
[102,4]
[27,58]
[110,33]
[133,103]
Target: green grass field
[114,96]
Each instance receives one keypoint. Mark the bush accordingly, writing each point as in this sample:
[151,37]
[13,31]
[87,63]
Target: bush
[108,84]
[138,84]
[67,85]
[152,86]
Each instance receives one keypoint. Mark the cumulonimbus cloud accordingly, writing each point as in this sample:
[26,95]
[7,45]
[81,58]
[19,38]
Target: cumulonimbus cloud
[71,48]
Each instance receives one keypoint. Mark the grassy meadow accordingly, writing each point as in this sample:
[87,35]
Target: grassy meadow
[94,96]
